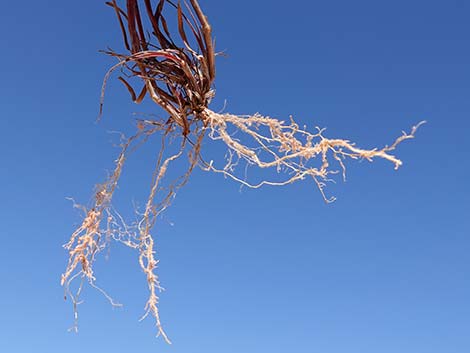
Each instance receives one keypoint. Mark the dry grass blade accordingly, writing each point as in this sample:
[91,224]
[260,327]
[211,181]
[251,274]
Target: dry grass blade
[177,74]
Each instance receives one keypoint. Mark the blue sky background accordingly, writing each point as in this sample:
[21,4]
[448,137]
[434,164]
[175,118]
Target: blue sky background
[383,269]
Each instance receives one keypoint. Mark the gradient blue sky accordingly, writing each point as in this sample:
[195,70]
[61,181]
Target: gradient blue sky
[384,269]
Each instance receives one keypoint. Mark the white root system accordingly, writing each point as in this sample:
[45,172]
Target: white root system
[262,142]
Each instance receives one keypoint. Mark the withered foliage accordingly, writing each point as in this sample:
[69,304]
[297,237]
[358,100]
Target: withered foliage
[178,77]
[177,73]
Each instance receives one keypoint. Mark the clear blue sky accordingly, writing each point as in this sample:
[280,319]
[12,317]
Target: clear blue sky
[384,269]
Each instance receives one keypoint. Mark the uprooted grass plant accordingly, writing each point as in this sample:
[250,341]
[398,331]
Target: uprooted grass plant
[178,76]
